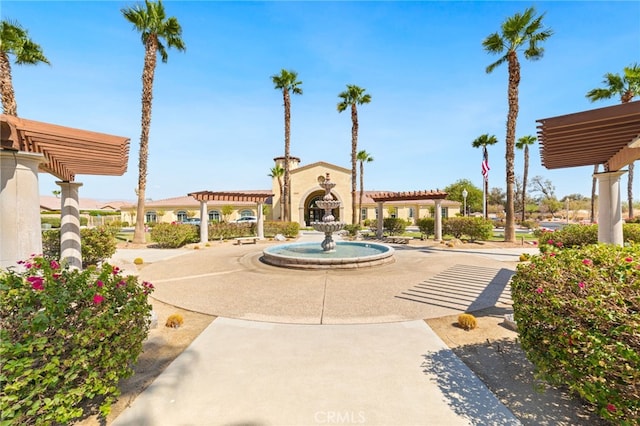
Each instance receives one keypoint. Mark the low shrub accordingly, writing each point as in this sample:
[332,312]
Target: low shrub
[467,321]
[172,235]
[352,229]
[174,321]
[96,244]
[138,261]
[426,226]
[67,337]
[394,225]
[475,228]
[288,229]
[575,235]
[578,315]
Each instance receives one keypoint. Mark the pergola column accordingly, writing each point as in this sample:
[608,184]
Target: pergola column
[260,223]
[20,224]
[301,220]
[609,207]
[70,241]
[380,225]
[204,222]
[438,220]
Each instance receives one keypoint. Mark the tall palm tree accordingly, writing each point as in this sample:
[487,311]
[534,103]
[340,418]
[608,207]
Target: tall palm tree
[520,32]
[288,82]
[154,27]
[363,157]
[483,141]
[277,172]
[523,143]
[14,40]
[627,87]
[352,97]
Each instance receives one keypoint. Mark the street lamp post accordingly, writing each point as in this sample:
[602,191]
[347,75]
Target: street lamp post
[464,196]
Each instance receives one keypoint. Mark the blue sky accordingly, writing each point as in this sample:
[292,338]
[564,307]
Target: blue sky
[218,121]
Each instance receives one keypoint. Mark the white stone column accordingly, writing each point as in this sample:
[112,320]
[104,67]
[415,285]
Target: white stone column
[260,223]
[70,241]
[20,225]
[380,224]
[301,220]
[609,207]
[204,222]
[437,225]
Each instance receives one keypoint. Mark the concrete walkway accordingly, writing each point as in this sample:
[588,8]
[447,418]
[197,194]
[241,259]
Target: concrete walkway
[271,359]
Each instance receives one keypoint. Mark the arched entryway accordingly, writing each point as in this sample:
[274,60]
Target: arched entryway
[312,213]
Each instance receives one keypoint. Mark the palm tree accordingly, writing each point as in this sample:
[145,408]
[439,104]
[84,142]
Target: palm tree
[523,143]
[352,97]
[154,27]
[14,40]
[277,172]
[627,87]
[483,141]
[288,82]
[363,157]
[518,32]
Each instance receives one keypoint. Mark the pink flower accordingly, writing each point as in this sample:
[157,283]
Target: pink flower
[587,262]
[56,276]
[552,255]
[535,243]
[559,244]
[54,265]
[97,299]
[37,283]
[122,283]
[115,270]
[550,242]
[539,290]
[147,284]
[581,284]
[611,408]
[628,259]
[99,283]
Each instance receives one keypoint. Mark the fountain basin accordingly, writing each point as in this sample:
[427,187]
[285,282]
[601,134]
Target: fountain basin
[347,255]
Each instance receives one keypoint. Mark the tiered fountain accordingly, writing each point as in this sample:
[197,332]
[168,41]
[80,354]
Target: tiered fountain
[329,254]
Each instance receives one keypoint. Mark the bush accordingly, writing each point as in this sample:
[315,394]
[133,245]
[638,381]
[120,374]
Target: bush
[475,228]
[580,235]
[467,321]
[288,229]
[394,225]
[578,315]
[66,338]
[96,244]
[352,229]
[172,235]
[54,221]
[427,226]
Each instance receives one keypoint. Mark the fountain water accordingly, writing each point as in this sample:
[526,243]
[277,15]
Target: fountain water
[329,254]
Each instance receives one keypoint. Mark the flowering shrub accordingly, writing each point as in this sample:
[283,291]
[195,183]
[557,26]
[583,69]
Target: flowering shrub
[578,315]
[173,235]
[580,235]
[67,336]
[96,244]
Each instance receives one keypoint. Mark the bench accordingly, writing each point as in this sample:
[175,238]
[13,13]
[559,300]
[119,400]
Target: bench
[397,239]
[242,240]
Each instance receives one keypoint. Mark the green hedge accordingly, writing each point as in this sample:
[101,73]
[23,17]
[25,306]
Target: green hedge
[394,225]
[578,316]
[475,228]
[67,337]
[96,244]
[575,235]
[173,235]
[55,221]
[427,226]
[288,229]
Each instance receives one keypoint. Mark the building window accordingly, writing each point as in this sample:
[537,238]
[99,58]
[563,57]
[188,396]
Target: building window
[214,216]
[393,212]
[182,216]
[363,214]
[410,212]
[151,217]
[445,212]
[245,213]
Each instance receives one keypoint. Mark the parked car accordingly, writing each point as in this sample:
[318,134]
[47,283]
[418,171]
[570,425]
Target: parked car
[191,221]
[247,219]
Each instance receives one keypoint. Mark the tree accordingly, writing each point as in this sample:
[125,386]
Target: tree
[474,194]
[523,143]
[483,141]
[363,157]
[56,193]
[277,172]
[352,97]
[154,28]
[496,197]
[226,212]
[14,40]
[520,32]
[627,87]
[287,81]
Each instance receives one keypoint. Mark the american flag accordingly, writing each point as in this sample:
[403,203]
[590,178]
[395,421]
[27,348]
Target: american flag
[485,164]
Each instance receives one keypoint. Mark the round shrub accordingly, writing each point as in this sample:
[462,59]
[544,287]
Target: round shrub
[96,244]
[138,261]
[67,337]
[173,235]
[578,315]
[426,226]
[476,228]
[394,225]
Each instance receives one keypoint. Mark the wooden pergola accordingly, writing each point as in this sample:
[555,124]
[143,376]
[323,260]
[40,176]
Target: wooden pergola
[255,197]
[437,195]
[608,136]
[28,147]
